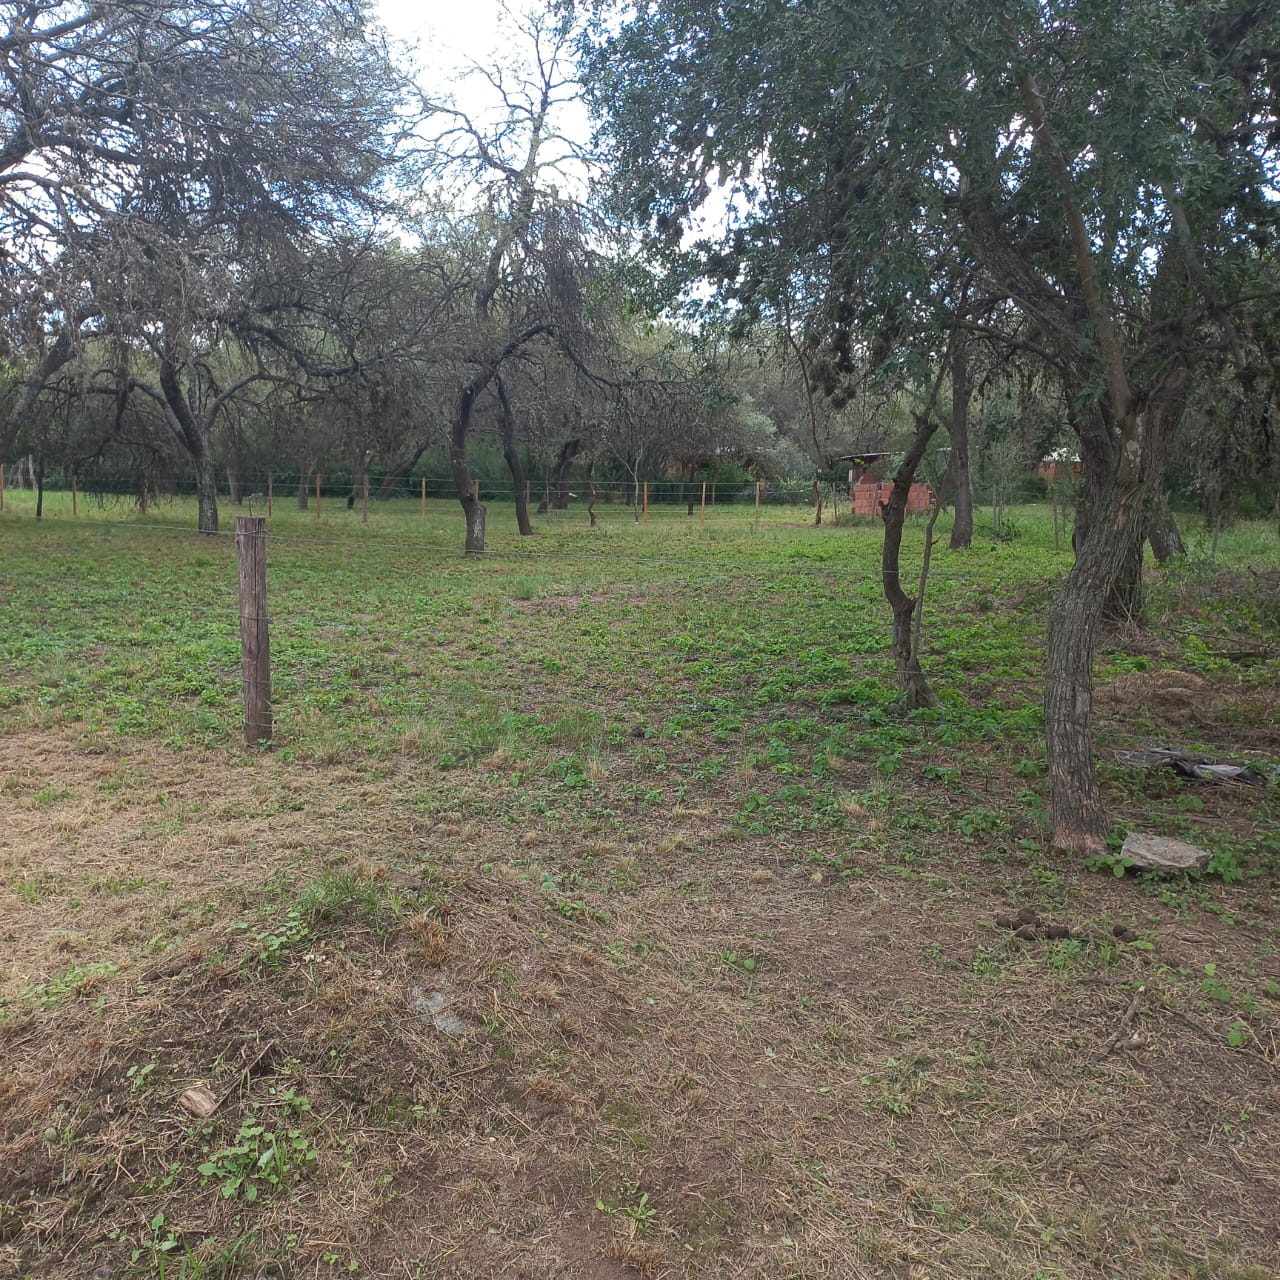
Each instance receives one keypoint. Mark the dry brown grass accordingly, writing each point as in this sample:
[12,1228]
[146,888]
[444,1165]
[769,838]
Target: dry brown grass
[898,1088]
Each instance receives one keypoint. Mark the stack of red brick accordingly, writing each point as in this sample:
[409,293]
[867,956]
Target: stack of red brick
[868,496]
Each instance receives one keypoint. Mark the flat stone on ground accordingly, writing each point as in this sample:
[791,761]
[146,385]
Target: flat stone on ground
[1159,853]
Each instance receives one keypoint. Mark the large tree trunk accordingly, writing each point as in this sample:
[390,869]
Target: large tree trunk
[1079,822]
[1123,602]
[962,529]
[558,482]
[1104,585]
[304,486]
[507,430]
[910,674]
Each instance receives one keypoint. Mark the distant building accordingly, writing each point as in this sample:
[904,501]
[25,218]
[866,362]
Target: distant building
[1061,464]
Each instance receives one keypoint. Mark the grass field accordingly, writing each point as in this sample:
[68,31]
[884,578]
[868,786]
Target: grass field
[599,911]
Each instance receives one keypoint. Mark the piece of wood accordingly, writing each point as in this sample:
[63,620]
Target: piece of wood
[317,497]
[268,495]
[1126,1021]
[702,519]
[424,499]
[646,502]
[757,504]
[364,498]
[75,508]
[255,642]
[475,490]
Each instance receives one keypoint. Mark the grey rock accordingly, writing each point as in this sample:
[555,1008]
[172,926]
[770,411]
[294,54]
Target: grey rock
[1159,853]
[433,1007]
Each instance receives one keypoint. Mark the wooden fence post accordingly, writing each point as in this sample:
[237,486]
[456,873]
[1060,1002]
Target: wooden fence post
[364,497]
[424,499]
[1,486]
[268,495]
[255,642]
[75,508]
[757,504]
[646,502]
[317,497]
[702,519]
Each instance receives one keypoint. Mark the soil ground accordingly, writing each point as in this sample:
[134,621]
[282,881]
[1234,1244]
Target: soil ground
[746,995]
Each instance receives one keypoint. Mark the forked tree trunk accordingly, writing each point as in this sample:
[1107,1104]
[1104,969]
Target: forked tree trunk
[1123,601]
[401,469]
[1106,573]
[195,432]
[906,658]
[962,529]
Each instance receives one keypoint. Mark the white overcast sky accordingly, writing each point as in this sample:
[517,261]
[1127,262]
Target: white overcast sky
[452,35]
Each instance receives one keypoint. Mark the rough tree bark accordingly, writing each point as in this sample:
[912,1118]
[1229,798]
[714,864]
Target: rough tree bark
[1162,529]
[817,504]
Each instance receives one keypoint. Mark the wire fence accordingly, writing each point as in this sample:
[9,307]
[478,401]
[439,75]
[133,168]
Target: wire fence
[698,566]
[303,488]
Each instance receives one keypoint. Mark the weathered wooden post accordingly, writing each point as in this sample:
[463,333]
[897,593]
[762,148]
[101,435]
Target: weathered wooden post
[268,495]
[75,508]
[364,495]
[646,502]
[317,497]
[702,519]
[255,643]
[757,504]
[424,499]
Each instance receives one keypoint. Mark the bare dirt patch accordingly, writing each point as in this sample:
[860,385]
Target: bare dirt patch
[677,1048]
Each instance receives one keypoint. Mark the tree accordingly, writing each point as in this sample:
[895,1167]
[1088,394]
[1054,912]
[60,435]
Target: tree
[1090,178]
[524,243]
[154,154]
